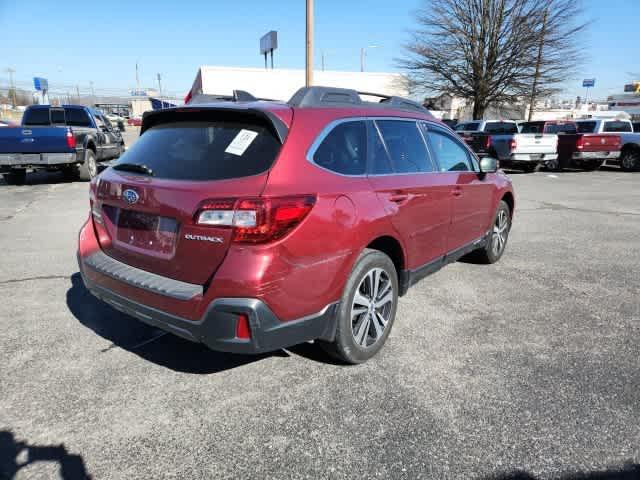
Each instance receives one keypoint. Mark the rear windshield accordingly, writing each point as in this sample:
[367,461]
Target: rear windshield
[560,128]
[467,126]
[531,127]
[501,128]
[586,127]
[36,116]
[617,127]
[204,150]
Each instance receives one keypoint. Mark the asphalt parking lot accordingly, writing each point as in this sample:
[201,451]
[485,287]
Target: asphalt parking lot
[527,369]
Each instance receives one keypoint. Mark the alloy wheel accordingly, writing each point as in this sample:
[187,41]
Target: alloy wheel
[628,161]
[500,232]
[372,307]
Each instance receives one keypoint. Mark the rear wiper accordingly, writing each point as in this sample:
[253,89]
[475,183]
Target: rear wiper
[133,167]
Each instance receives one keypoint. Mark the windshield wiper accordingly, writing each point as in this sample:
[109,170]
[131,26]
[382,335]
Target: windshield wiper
[133,167]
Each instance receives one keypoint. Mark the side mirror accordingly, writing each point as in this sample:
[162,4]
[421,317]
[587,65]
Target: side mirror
[104,128]
[488,165]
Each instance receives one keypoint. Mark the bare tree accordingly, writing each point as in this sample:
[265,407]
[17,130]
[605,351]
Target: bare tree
[559,52]
[487,51]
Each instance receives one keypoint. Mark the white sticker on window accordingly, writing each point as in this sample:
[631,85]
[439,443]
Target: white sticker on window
[242,141]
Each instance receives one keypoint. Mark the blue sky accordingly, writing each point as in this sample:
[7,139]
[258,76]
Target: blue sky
[77,42]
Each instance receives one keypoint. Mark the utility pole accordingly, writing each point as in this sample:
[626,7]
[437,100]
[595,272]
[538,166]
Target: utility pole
[137,79]
[362,54]
[78,92]
[93,93]
[309,45]
[13,87]
[536,75]
[160,90]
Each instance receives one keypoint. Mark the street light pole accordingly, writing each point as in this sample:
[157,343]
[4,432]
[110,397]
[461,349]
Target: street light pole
[309,45]
[13,87]
[363,55]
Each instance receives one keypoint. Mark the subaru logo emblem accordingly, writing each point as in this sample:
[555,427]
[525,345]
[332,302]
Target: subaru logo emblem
[130,196]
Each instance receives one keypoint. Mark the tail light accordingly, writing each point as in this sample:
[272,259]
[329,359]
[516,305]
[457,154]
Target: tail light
[256,220]
[242,327]
[513,144]
[489,142]
[187,98]
[580,143]
[71,140]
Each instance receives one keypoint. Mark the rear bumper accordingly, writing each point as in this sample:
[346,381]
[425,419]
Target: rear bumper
[27,160]
[595,155]
[532,157]
[217,327]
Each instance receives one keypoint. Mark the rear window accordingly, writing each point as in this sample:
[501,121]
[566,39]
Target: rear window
[586,127]
[560,128]
[617,127]
[57,116]
[204,150]
[532,127]
[77,117]
[36,116]
[498,128]
[467,126]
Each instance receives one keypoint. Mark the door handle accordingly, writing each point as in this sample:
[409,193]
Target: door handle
[398,197]
[456,192]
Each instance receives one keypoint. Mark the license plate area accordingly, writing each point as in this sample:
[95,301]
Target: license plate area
[536,156]
[142,232]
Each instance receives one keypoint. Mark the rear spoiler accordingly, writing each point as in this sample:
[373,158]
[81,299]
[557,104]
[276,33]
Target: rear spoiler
[230,111]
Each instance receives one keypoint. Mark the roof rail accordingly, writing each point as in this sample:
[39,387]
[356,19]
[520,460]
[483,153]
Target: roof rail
[237,96]
[331,96]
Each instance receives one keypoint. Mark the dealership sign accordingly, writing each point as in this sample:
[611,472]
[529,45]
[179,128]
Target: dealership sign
[589,82]
[40,83]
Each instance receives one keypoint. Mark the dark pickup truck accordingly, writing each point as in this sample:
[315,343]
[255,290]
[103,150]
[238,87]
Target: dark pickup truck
[71,138]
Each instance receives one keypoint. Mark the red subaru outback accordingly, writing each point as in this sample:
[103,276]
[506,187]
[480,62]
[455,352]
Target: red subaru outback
[254,226]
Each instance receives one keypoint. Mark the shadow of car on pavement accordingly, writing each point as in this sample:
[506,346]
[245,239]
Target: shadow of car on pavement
[148,342]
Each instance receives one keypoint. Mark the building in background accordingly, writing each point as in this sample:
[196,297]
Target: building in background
[281,84]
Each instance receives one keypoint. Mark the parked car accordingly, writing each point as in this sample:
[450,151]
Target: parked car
[502,140]
[314,238]
[71,138]
[117,121]
[629,157]
[577,148]
[451,123]
[135,121]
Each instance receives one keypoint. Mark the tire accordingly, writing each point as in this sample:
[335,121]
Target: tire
[360,335]
[89,169]
[16,177]
[493,250]
[630,161]
[554,165]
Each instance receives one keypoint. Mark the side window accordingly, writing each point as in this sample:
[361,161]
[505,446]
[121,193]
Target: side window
[451,156]
[99,122]
[380,161]
[344,150]
[106,121]
[405,146]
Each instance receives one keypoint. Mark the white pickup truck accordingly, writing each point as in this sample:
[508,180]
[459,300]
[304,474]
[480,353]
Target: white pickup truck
[513,148]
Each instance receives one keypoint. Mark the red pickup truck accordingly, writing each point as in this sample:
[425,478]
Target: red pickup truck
[577,149]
